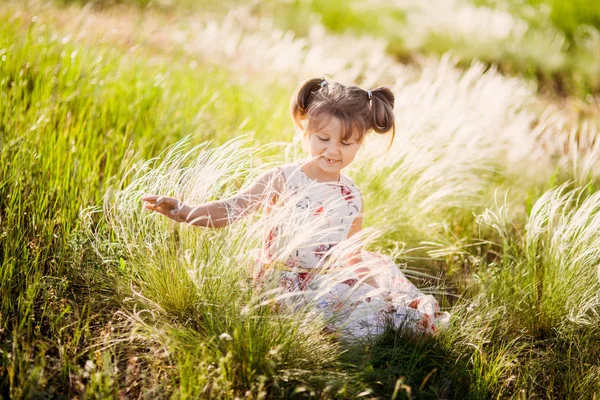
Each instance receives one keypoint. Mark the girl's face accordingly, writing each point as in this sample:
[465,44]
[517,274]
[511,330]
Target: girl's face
[329,152]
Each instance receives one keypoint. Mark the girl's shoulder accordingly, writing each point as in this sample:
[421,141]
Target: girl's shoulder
[290,172]
[346,180]
[289,167]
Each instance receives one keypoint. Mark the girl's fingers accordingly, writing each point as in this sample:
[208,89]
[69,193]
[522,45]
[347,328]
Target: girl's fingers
[154,199]
[150,197]
[161,204]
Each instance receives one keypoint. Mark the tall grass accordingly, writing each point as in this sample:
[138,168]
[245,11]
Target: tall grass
[69,119]
[457,149]
[534,326]
[550,42]
[99,298]
[197,282]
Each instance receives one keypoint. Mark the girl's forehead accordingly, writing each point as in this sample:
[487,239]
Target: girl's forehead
[329,124]
[334,126]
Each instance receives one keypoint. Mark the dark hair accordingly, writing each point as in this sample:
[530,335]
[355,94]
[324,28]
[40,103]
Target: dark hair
[356,109]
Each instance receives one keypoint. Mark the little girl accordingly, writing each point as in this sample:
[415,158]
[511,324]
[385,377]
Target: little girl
[368,291]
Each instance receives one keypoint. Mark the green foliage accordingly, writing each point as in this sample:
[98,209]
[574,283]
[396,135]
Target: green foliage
[99,299]
[568,16]
[539,54]
[69,118]
[578,22]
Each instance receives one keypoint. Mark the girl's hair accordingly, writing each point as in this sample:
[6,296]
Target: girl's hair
[357,110]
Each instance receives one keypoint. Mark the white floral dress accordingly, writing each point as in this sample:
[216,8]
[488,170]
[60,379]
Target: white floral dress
[299,254]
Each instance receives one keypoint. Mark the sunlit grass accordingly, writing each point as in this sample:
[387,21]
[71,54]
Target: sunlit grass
[196,283]
[69,119]
[100,298]
[534,326]
[550,42]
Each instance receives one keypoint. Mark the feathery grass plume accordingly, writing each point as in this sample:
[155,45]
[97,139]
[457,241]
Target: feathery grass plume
[461,20]
[556,258]
[540,298]
[198,280]
[232,41]
[562,244]
[236,39]
[574,148]
[457,144]
[478,32]
[506,33]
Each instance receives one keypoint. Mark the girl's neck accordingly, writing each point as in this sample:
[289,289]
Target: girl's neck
[318,175]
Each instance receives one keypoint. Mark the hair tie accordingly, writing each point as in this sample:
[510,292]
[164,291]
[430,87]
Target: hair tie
[323,83]
[370,95]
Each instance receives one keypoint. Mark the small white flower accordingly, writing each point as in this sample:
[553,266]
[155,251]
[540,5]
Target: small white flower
[89,365]
[225,336]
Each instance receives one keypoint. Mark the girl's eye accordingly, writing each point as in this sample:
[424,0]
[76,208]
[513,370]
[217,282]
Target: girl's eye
[322,139]
[346,144]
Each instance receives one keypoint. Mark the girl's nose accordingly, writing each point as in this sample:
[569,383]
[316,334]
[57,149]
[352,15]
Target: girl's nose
[333,148]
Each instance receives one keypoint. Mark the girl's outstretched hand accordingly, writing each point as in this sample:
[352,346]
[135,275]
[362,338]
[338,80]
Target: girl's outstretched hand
[167,206]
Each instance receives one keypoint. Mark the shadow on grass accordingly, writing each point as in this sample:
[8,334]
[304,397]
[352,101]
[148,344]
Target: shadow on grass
[402,365]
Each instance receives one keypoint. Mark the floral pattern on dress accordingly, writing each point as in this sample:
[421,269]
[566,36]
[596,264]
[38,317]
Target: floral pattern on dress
[321,251]
[346,193]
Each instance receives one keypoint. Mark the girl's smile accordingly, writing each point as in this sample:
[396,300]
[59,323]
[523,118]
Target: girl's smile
[330,161]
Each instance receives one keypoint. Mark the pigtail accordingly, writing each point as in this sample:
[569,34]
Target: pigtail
[382,111]
[301,99]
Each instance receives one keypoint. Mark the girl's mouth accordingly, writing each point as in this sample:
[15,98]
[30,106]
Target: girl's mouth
[330,160]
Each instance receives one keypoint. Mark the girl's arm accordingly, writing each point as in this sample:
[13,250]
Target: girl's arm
[217,214]
[356,258]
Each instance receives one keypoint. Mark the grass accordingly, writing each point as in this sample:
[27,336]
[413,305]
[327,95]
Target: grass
[101,299]
[550,42]
[63,117]
[533,316]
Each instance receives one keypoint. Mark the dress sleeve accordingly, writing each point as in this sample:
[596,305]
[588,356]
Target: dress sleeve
[359,199]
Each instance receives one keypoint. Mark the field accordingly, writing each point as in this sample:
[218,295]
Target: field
[489,196]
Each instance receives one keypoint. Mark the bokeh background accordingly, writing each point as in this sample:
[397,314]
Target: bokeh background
[488,196]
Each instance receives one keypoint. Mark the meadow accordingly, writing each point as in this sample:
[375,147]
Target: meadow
[488,197]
